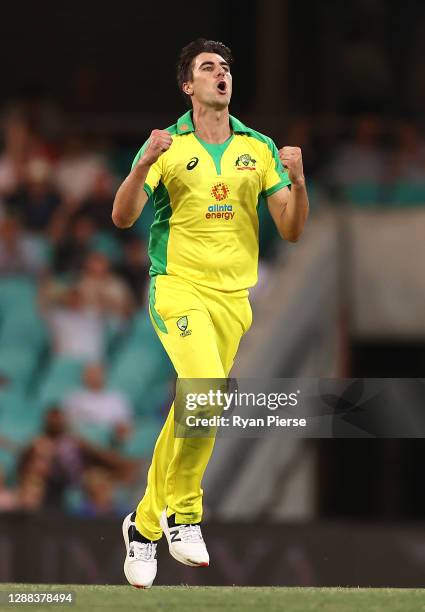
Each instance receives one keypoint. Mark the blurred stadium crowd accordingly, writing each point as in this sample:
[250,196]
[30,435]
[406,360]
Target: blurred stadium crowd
[84,381]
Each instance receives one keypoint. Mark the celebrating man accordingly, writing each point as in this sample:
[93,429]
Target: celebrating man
[204,176]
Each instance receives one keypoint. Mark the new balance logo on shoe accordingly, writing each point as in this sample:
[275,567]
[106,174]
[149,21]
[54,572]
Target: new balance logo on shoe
[185,542]
[175,536]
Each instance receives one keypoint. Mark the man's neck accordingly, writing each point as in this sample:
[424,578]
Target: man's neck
[212,126]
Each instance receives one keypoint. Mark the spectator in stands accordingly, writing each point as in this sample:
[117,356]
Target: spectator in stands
[58,459]
[408,161]
[134,268]
[103,290]
[38,464]
[31,493]
[72,239]
[98,203]
[77,328]
[98,489]
[27,496]
[55,457]
[8,496]
[120,435]
[20,253]
[18,145]
[361,160]
[36,200]
[77,170]
[94,403]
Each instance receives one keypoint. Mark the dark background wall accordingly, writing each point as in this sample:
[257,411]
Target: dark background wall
[345,57]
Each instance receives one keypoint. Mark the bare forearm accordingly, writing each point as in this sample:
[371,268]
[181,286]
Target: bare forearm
[131,197]
[294,214]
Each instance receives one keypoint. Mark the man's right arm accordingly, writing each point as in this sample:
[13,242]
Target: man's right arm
[131,196]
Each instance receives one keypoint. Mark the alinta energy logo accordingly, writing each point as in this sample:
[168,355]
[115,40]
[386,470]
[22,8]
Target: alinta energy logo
[220,191]
[245,162]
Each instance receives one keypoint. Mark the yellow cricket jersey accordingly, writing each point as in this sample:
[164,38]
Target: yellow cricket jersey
[205,228]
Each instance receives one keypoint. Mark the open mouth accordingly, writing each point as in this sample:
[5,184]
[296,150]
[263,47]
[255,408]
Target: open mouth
[222,86]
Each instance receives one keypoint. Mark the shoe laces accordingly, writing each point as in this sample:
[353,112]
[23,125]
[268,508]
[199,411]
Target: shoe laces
[191,533]
[143,551]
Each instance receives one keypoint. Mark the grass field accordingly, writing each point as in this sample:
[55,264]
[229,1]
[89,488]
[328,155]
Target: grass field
[88,598]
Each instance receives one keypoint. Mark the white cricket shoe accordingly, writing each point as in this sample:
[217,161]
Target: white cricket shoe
[185,542]
[140,560]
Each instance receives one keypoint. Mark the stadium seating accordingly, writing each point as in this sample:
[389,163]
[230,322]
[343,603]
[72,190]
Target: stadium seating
[141,368]
[35,379]
[62,375]
[144,222]
[142,442]
[19,364]
[24,327]
[106,243]
[17,293]
[19,423]
[95,433]
[363,193]
[407,194]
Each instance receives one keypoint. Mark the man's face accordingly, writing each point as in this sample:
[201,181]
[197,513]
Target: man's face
[94,376]
[211,84]
[55,424]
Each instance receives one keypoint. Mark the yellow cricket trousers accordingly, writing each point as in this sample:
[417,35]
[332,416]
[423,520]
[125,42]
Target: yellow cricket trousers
[200,328]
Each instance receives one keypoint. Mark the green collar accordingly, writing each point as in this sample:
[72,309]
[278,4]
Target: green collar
[185,124]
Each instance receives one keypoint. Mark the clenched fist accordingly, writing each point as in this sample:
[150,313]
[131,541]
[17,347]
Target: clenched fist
[159,142]
[292,160]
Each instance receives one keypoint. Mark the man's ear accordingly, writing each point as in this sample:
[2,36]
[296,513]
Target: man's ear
[187,88]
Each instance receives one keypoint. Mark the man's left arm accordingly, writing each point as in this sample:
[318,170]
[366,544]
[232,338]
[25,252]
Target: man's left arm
[289,208]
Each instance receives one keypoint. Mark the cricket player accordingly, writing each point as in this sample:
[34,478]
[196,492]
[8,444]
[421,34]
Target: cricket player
[204,176]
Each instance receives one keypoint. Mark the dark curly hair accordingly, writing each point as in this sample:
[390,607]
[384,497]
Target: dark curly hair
[188,54]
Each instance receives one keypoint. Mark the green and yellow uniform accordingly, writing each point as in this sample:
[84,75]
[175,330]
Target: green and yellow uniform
[203,249]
